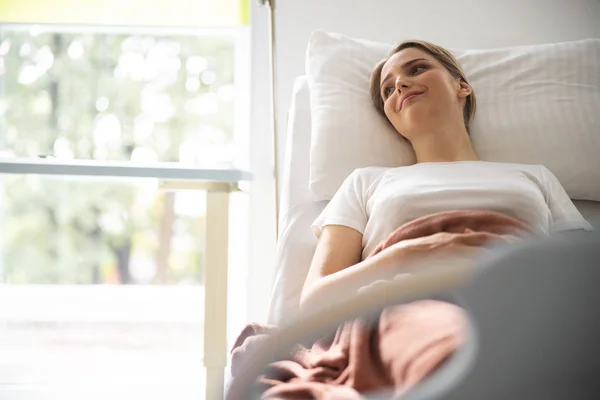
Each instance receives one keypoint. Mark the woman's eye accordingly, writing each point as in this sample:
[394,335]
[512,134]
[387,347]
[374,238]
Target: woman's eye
[418,68]
[387,91]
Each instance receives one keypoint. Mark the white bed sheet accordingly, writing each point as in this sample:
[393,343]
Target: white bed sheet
[296,165]
[297,243]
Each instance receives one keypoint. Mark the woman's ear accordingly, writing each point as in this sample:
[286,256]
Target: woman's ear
[464,90]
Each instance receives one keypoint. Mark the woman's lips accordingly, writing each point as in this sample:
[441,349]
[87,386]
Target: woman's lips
[408,97]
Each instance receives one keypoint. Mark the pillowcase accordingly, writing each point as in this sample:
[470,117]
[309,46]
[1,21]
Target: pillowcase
[537,104]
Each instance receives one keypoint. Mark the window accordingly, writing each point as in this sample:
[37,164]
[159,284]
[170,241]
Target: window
[118,96]
[104,277]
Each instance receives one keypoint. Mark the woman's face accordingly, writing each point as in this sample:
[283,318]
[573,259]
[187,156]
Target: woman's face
[418,92]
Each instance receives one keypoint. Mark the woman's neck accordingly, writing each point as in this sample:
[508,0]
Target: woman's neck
[444,146]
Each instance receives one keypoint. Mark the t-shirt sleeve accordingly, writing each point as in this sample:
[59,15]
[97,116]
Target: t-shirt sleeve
[565,215]
[347,207]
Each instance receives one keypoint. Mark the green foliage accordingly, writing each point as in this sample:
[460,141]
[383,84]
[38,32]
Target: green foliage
[107,97]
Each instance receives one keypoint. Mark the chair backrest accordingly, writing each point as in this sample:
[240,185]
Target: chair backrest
[535,327]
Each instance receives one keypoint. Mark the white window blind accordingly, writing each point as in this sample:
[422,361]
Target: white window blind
[155,13]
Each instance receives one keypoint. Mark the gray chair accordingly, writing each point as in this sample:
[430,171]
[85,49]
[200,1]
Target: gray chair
[535,326]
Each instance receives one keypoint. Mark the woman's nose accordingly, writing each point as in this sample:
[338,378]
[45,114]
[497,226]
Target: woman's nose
[401,83]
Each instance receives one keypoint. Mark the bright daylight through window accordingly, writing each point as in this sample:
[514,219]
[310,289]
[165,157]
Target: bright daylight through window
[104,276]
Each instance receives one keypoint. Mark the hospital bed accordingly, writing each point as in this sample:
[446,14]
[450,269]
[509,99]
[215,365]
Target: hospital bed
[296,241]
[482,295]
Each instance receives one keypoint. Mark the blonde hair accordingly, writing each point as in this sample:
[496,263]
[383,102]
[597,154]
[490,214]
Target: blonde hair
[440,54]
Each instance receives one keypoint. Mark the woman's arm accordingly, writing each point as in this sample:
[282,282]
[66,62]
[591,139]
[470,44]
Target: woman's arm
[336,267]
[337,272]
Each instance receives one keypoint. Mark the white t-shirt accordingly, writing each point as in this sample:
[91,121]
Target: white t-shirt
[375,201]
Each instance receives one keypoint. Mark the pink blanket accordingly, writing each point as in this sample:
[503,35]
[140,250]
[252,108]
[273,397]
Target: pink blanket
[403,346]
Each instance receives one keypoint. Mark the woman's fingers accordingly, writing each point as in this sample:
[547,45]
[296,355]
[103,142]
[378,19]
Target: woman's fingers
[482,238]
[476,238]
[470,242]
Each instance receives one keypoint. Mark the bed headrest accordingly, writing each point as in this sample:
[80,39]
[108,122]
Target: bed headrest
[536,104]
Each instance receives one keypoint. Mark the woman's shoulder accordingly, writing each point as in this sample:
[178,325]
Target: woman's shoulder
[367,178]
[369,174]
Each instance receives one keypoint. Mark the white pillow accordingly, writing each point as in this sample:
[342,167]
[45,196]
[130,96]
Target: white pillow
[536,104]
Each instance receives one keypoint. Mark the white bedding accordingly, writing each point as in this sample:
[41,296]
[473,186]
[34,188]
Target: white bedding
[296,167]
[296,241]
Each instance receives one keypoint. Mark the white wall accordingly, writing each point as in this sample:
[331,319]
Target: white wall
[456,23]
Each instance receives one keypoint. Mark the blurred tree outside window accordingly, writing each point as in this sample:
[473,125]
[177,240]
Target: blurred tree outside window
[144,96]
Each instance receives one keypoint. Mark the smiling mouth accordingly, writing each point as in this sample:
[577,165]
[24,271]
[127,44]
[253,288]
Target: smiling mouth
[408,98]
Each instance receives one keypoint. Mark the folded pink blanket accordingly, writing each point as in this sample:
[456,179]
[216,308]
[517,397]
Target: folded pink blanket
[404,345]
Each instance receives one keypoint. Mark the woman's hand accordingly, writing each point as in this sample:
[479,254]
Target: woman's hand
[469,243]
[465,245]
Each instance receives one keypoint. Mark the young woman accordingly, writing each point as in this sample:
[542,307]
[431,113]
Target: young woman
[423,92]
